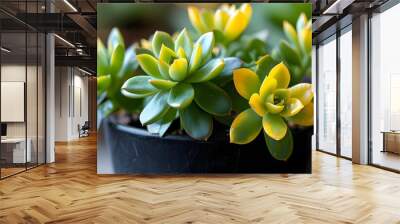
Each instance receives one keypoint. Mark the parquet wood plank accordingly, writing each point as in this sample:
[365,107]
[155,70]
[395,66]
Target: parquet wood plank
[70,191]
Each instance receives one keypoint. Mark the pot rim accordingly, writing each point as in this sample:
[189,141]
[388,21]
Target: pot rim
[145,134]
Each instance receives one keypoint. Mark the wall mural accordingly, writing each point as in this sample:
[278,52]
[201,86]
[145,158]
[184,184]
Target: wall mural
[204,88]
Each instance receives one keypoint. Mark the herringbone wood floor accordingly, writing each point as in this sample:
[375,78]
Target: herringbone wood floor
[70,191]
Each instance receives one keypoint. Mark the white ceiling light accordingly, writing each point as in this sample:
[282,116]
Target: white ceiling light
[70,5]
[338,6]
[64,40]
[5,50]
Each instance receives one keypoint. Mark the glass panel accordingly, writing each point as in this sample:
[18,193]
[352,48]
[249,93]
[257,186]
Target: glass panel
[314,81]
[13,86]
[385,84]
[346,94]
[327,96]
[41,99]
[31,98]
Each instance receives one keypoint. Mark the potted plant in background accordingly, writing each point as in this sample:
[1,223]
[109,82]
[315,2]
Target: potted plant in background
[203,98]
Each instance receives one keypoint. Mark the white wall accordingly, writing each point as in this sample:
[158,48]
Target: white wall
[71,94]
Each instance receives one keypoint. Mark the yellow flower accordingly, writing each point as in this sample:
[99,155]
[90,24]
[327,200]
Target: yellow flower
[231,22]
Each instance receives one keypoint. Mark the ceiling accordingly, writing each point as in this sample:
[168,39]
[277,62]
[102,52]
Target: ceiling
[75,22]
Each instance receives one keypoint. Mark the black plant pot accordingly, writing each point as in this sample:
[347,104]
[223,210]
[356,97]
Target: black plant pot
[128,150]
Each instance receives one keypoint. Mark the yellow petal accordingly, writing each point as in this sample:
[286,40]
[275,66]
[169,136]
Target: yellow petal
[274,109]
[220,19]
[268,87]
[305,117]
[195,19]
[281,73]
[207,19]
[292,107]
[245,128]
[247,10]
[236,24]
[178,69]
[181,53]
[274,126]
[166,54]
[246,82]
[195,59]
[290,32]
[303,92]
[257,105]
[305,37]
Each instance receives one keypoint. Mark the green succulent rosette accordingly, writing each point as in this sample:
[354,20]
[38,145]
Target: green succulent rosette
[115,65]
[272,105]
[177,82]
[296,50]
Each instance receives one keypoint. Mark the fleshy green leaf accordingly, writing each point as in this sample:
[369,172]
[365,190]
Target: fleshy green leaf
[206,41]
[162,84]
[149,64]
[212,99]
[196,123]
[166,54]
[178,70]
[239,104]
[161,126]
[159,39]
[207,19]
[289,54]
[236,24]
[102,59]
[281,73]
[301,22]
[282,149]
[164,69]
[264,66]
[114,39]
[139,85]
[104,110]
[290,33]
[246,82]
[274,126]
[195,59]
[117,59]
[303,92]
[181,95]
[155,109]
[245,128]
[130,63]
[257,104]
[184,41]
[221,17]
[292,107]
[209,71]
[103,82]
[273,108]
[305,117]
[231,63]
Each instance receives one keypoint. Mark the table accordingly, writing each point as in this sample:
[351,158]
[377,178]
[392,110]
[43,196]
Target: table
[17,150]
[391,141]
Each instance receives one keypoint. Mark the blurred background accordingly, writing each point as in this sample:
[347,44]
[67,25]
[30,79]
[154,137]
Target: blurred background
[137,21]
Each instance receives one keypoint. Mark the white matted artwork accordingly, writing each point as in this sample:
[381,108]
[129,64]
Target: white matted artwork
[12,101]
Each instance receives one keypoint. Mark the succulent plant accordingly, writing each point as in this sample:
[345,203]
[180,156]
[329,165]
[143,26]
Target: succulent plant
[178,83]
[272,104]
[296,52]
[227,21]
[114,66]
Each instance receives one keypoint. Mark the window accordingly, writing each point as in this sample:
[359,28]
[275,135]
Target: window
[346,93]
[326,117]
[385,89]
